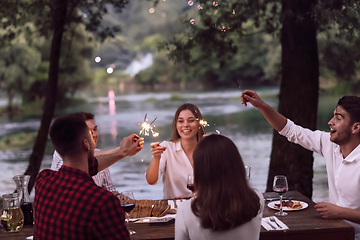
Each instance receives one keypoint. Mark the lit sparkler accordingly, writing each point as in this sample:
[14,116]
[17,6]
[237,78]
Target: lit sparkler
[236,83]
[148,128]
[203,124]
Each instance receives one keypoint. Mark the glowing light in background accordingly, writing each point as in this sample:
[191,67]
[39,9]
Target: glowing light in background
[109,70]
[113,130]
[200,7]
[112,106]
[223,29]
[151,10]
[192,21]
[217,131]
[190,2]
[97,59]
[233,11]
[215,4]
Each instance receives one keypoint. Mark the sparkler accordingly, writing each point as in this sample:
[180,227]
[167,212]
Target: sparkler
[148,128]
[203,124]
[236,82]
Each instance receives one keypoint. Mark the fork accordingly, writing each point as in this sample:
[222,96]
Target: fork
[272,219]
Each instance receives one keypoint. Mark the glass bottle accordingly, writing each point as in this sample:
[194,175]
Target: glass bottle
[22,182]
[12,218]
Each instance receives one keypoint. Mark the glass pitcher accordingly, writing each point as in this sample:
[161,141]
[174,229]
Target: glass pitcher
[22,182]
[12,218]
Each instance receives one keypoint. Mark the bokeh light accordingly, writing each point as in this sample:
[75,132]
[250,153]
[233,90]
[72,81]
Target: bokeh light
[109,70]
[112,65]
[164,14]
[151,10]
[215,4]
[200,7]
[97,59]
[190,2]
[233,11]
[192,21]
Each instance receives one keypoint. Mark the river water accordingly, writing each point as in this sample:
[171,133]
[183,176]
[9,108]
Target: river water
[120,116]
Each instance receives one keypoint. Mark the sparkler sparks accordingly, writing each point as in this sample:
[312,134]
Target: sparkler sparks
[148,128]
[203,124]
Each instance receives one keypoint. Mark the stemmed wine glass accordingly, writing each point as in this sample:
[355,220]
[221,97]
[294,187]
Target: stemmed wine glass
[127,203]
[280,186]
[190,183]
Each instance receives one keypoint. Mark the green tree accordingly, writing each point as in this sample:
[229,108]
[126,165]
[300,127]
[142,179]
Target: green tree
[297,22]
[17,61]
[53,18]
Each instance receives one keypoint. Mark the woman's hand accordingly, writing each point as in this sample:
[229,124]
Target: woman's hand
[157,149]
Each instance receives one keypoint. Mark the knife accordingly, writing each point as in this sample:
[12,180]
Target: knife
[272,226]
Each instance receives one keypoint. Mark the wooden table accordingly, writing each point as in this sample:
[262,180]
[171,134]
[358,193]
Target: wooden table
[306,224]
[303,225]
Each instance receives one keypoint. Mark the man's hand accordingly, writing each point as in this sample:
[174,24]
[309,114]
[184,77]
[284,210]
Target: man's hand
[131,144]
[329,210]
[251,97]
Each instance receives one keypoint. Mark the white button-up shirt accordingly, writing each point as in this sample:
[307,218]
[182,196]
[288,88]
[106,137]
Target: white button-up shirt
[343,173]
[174,167]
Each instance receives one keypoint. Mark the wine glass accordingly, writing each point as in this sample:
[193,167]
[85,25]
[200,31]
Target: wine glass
[127,201]
[280,186]
[190,183]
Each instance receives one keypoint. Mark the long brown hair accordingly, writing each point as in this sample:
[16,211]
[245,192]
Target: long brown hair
[194,109]
[224,199]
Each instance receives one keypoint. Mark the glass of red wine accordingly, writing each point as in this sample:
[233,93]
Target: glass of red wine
[280,186]
[190,183]
[127,201]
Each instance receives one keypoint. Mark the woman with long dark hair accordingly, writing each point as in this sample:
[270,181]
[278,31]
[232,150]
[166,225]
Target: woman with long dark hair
[173,160]
[225,206]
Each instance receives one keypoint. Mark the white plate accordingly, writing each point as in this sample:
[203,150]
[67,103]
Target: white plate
[272,205]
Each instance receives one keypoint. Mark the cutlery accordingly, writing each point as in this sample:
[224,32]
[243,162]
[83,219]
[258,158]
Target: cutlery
[272,226]
[272,219]
[277,198]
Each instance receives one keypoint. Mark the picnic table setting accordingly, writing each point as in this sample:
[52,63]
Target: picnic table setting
[300,223]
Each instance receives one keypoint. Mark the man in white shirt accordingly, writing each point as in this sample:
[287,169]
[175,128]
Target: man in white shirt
[102,178]
[340,147]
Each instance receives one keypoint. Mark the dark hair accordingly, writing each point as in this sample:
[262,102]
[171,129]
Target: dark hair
[351,104]
[67,132]
[194,109]
[86,116]
[224,199]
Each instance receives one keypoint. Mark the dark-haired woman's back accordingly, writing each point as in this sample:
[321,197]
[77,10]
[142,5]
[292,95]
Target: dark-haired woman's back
[188,226]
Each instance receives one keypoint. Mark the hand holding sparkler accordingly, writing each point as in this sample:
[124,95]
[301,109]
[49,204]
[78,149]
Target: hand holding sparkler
[157,149]
[131,145]
[203,124]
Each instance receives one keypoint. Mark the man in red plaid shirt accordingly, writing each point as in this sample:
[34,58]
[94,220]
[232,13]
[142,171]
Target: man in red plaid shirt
[68,204]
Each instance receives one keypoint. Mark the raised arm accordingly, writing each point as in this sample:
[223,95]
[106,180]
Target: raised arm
[152,172]
[276,120]
[129,146]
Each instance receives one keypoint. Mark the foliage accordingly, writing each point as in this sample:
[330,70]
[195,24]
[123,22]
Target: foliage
[18,60]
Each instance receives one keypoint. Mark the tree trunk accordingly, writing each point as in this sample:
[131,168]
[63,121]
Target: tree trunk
[59,16]
[299,91]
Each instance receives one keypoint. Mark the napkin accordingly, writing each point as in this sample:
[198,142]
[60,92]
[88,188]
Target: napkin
[166,216]
[266,223]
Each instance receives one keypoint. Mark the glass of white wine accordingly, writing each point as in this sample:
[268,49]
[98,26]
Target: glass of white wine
[12,218]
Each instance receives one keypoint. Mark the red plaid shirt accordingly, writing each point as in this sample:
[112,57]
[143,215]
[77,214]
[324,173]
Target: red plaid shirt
[69,205]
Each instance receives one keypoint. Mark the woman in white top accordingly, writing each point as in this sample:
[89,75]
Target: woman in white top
[173,159]
[224,207]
